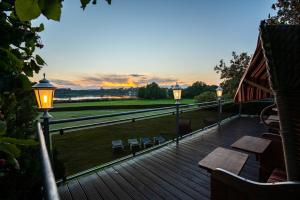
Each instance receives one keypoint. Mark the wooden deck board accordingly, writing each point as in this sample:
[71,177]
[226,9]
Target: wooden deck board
[171,172]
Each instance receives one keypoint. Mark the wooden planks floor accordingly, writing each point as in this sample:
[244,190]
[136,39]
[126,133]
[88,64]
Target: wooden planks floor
[171,172]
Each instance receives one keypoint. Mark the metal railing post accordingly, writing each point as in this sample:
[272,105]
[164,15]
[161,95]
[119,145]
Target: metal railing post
[46,117]
[219,112]
[177,122]
[240,109]
[49,184]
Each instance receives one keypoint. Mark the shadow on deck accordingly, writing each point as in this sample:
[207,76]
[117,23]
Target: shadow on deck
[168,173]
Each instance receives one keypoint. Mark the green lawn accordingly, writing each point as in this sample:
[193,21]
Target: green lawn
[123,102]
[85,113]
[83,149]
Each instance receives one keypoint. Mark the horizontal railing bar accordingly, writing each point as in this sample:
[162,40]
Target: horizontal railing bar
[50,187]
[115,121]
[131,118]
[107,122]
[123,113]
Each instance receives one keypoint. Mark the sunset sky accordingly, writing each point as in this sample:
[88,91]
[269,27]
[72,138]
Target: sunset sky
[133,42]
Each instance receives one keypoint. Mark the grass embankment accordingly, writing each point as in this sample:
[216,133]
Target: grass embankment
[83,149]
[129,102]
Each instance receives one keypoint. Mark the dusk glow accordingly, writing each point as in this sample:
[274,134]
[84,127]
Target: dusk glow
[162,41]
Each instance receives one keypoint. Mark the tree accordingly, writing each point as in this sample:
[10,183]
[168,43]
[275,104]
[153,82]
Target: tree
[19,168]
[152,91]
[141,92]
[196,89]
[288,12]
[232,74]
[206,96]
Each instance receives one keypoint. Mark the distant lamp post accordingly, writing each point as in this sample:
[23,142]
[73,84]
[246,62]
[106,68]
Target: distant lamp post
[44,92]
[177,96]
[219,92]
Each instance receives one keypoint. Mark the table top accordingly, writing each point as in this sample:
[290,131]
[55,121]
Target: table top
[252,144]
[230,160]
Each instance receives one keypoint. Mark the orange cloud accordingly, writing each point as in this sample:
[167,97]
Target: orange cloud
[108,84]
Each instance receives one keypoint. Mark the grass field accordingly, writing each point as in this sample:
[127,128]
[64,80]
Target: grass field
[83,149]
[123,102]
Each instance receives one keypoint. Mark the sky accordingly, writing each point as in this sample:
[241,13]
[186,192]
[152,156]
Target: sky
[134,42]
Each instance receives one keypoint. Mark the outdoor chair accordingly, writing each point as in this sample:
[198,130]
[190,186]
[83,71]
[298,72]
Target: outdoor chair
[228,186]
[272,158]
[185,126]
[146,141]
[269,117]
[159,139]
[117,145]
[133,143]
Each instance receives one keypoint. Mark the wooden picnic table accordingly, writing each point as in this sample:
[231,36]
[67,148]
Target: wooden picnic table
[252,144]
[230,160]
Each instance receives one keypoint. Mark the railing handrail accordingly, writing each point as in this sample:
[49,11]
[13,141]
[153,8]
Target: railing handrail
[124,113]
[209,104]
[50,187]
[117,121]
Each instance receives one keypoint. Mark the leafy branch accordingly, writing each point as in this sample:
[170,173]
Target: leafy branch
[31,9]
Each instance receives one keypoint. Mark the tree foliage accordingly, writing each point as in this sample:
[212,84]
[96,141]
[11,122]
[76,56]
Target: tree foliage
[288,12]
[197,88]
[19,168]
[231,74]
[206,96]
[28,10]
[152,91]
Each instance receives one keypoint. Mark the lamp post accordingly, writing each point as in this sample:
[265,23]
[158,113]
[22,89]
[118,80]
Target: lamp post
[44,92]
[177,97]
[219,92]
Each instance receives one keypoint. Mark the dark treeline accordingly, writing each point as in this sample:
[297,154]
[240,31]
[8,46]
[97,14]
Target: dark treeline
[154,91]
[196,89]
[67,93]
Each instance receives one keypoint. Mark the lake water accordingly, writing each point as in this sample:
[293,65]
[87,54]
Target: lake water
[80,98]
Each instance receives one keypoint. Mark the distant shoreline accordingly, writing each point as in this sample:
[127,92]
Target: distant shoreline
[81,99]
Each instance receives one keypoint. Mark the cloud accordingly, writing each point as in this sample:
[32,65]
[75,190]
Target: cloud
[113,81]
[136,75]
[63,83]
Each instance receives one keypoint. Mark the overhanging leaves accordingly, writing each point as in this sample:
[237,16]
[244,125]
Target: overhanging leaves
[39,60]
[15,141]
[27,9]
[2,127]
[51,8]
[84,3]
[10,149]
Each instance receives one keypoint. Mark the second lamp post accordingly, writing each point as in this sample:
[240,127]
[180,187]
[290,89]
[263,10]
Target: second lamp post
[44,92]
[219,92]
[177,97]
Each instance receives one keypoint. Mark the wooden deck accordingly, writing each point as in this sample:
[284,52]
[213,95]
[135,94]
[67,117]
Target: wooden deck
[171,172]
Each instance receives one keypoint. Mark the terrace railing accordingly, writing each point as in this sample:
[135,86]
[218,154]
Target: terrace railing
[49,184]
[167,111]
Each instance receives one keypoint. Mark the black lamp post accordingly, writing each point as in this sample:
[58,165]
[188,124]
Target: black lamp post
[177,97]
[44,92]
[219,92]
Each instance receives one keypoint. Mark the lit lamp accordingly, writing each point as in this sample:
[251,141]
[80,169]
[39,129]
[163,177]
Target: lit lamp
[177,93]
[177,97]
[219,92]
[44,92]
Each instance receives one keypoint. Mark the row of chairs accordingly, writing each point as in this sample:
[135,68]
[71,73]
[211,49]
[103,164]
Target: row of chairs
[134,143]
